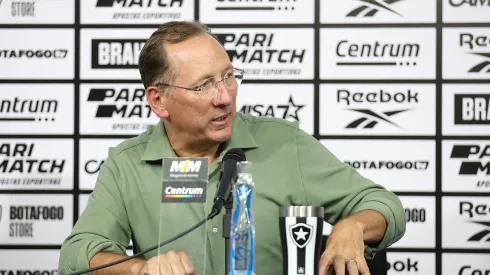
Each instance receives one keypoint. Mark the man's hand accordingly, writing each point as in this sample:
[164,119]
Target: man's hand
[170,263]
[345,250]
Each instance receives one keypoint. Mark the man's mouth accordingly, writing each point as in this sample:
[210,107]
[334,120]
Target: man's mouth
[221,118]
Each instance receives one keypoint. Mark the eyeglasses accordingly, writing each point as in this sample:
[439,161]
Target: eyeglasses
[231,81]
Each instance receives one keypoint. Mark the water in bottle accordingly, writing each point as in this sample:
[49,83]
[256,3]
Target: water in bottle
[242,237]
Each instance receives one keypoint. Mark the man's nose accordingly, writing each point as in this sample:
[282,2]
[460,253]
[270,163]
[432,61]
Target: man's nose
[223,95]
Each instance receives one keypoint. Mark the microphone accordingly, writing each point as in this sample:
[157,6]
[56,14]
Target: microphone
[228,172]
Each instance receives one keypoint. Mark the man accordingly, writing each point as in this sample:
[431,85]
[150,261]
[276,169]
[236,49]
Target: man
[192,86]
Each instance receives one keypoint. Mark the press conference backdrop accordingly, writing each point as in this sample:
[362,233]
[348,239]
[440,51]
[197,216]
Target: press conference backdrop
[400,90]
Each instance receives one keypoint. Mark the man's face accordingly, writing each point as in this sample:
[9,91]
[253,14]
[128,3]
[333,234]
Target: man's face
[204,117]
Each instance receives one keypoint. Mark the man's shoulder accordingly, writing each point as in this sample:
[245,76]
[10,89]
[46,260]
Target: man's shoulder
[265,122]
[133,145]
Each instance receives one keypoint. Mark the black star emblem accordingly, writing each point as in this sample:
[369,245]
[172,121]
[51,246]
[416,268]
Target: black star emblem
[291,110]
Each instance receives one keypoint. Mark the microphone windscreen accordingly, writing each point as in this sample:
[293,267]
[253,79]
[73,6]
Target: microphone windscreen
[235,154]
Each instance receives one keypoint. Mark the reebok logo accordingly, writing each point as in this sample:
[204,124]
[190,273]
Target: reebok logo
[185,166]
[371,119]
[477,43]
[370,8]
[481,235]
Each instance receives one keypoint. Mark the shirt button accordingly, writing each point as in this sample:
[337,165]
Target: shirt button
[215,230]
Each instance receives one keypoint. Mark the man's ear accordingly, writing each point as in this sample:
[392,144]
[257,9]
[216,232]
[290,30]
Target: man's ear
[157,101]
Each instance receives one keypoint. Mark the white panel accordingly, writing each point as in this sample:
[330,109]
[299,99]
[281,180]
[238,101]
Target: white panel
[114,109]
[406,263]
[30,219]
[377,109]
[466,166]
[466,109]
[398,165]
[470,216]
[293,102]
[42,262]
[111,53]
[37,53]
[36,108]
[270,53]
[256,12]
[465,11]
[465,264]
[27,164]
[37,12]
[93,152]
[355,11]
[465,53]
[135,12]
[378,53]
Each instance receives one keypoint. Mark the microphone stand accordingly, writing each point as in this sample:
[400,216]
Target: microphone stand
[226,231]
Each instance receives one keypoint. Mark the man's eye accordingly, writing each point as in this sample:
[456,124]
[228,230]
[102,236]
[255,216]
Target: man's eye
[203,85]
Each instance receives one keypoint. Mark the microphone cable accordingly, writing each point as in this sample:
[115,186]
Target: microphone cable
[209,217]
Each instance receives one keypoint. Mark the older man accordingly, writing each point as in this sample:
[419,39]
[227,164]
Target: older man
[192,86]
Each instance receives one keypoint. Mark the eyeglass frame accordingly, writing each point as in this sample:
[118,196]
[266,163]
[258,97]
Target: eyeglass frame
[242,72]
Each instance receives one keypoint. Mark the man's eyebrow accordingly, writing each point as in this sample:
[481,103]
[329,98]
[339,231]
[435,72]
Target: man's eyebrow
[228,67]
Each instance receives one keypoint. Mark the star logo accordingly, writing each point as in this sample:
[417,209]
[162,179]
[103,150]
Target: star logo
[291,110]
[300,233]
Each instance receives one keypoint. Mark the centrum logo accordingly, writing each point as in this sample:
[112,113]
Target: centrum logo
[480,236]
[185,166]
[183,192]
[33,53]
[377,54]
[262,5]
[284,111]
[371,118]
[372,7]
[475,43]
[28,110]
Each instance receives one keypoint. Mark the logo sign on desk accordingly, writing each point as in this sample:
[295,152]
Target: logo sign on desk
[301,234]
[184,179]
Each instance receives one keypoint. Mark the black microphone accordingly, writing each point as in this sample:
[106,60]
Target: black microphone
[228,172]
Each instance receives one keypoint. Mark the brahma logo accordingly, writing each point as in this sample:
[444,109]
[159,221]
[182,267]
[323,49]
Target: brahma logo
[370,8]
[471,109]
[185,166]
[116,53]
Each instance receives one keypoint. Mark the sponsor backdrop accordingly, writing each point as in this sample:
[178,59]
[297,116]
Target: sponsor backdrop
[400,90]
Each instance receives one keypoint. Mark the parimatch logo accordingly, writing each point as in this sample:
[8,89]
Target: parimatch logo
[477,45]
[284,111]
[472,109]
[369,8]
[475,158]
[269,53]
[124,104]
[116,53]
[140,11]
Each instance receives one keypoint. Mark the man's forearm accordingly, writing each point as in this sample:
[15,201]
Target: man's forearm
[133,265]
[373,224]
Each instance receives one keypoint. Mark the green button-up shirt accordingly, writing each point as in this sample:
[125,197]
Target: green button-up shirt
[290,167]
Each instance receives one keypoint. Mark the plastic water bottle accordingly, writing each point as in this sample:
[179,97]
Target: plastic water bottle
[242,235]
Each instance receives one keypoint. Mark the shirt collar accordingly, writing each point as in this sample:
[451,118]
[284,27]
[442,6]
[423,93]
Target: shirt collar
[159,147]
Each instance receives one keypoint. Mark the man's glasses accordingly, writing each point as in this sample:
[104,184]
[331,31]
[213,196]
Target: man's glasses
[231,80]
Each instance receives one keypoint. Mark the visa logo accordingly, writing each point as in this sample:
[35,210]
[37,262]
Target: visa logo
[185,166]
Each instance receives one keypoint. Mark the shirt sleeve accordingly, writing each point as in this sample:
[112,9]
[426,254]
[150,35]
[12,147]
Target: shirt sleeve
[342,191]
[103,225]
